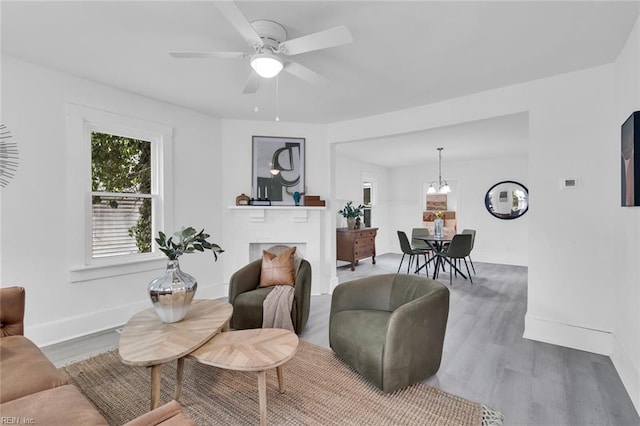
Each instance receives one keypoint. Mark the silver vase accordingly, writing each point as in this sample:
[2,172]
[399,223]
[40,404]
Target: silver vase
[172,293]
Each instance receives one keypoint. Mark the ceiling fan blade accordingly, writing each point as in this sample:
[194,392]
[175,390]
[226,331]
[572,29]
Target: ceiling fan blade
[304,73]
[320,40]
[230,11]
[253,83]
[223,55]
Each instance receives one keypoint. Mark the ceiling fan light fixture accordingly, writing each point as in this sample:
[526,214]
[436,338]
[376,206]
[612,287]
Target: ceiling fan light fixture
[266,64]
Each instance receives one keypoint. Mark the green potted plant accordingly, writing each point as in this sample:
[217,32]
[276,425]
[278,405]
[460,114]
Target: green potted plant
[351,213]
[172,292]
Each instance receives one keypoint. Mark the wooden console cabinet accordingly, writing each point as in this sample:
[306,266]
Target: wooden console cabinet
[356,244]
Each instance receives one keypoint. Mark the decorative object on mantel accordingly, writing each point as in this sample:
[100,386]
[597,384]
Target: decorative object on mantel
[313,201]
[172,292]
[351,213]
[242,200]
[278,168]
[296,195]
[259,202]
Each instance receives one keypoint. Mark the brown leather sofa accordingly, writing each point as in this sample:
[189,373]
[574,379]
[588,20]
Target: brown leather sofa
[33,390]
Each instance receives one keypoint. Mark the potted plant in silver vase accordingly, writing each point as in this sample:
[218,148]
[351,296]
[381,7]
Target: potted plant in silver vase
[351,213]
[172,292]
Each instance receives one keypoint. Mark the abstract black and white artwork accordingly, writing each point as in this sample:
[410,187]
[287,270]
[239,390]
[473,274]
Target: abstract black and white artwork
[278,169]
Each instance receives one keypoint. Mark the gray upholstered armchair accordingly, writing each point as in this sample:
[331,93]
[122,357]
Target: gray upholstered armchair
[390,328]
[247,298]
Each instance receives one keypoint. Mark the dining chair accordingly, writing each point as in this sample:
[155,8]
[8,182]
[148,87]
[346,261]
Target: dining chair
[419,233]
[408,250]
[419,244]
[472,232]
[459,248]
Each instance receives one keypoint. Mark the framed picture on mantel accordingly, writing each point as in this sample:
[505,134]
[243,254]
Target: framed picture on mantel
[278,168]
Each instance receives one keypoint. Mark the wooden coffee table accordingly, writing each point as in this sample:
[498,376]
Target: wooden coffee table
[147,341]
[251,350]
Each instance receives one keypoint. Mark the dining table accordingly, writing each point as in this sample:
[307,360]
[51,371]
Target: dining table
[437,243]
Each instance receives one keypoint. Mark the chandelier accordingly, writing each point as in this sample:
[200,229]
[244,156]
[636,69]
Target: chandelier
[440,187]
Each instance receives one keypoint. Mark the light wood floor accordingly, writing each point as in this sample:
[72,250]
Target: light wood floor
[485,357]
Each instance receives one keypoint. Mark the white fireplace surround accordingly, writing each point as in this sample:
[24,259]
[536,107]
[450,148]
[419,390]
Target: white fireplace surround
[253,229]
[255,249]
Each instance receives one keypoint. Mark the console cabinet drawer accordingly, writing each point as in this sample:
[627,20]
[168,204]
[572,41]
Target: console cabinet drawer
[355,244]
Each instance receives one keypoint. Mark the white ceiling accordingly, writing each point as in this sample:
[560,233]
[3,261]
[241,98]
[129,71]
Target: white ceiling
[404,54]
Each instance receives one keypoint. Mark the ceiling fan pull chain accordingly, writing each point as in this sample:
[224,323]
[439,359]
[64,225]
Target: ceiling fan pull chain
[277,98]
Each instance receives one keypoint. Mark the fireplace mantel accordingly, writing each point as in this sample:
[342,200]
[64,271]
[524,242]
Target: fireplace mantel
[297,214]
[253,228]
[278,207]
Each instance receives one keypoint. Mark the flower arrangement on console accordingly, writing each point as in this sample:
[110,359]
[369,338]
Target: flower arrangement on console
[438,224]
[352,214]
[350,211]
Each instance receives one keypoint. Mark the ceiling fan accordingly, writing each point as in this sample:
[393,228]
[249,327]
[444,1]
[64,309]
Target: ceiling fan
[269,41]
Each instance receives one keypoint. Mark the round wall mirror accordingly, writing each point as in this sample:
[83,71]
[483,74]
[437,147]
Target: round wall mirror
[507,200]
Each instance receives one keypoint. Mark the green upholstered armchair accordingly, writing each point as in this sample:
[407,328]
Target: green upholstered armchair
[390,328]
[247,298]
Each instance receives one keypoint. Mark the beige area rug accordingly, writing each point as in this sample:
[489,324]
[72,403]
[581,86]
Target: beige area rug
[319,390]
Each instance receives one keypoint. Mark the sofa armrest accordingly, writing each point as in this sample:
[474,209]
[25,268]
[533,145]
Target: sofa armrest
[417,327]
[302,297]
[170,414]
[12,300]
[245,279]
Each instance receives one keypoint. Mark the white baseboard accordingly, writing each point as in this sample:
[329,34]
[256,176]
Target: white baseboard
[628,371]
[571,336]
[64,329]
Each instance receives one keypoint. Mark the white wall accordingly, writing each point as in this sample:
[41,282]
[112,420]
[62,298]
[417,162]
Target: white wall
[574,240]
[33,216]
[349,175]
[497,241]
[571,134]
[625,224]
[236,173]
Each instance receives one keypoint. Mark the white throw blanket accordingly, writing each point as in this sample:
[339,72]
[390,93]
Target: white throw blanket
[276,308]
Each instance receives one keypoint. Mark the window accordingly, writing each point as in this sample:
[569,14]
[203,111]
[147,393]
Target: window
[367,200]
[121,198]
[118,191]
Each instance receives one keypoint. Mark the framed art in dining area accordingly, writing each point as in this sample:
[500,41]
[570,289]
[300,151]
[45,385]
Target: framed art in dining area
[278,168]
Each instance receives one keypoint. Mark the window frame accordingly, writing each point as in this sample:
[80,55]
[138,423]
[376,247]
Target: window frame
[81,122]
[373,195]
